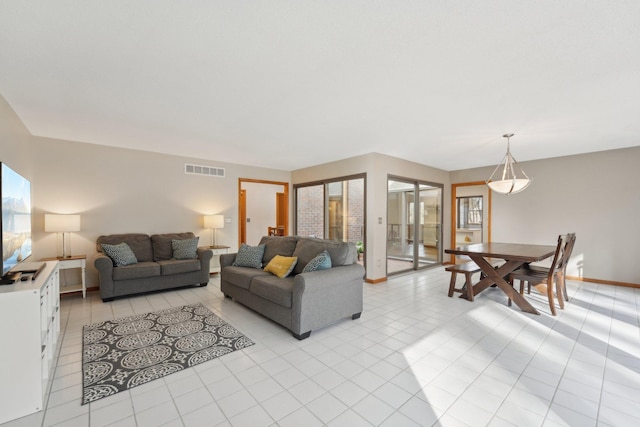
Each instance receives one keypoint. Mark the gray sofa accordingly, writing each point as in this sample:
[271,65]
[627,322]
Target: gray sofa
[155,268]
[302,301]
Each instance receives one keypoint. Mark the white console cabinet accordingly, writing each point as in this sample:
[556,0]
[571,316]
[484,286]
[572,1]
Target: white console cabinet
[29,329]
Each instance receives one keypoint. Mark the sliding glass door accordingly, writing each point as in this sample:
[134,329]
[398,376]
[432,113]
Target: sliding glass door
[333,209]
[414,224]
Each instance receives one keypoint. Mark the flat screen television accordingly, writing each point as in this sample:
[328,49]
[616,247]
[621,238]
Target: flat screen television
[15,194]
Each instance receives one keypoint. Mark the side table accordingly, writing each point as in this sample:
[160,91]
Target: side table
[214,266]
[74,261]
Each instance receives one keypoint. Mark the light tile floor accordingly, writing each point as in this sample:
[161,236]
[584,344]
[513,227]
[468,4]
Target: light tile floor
[414,358]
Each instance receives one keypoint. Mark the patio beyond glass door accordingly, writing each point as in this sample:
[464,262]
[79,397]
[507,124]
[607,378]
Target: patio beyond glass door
[332,210]
[414,223]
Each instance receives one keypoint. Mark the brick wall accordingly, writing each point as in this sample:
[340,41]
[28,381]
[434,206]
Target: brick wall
[311,211]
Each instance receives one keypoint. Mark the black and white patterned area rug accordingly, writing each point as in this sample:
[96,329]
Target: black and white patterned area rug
[124,353]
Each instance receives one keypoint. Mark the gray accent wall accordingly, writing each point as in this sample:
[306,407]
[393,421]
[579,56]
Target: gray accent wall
[118,190]
[594,195]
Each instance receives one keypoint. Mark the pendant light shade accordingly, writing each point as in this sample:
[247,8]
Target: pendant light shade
[510,181]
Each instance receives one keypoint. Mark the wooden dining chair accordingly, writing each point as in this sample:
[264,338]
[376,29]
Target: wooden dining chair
[567,250]
[567,257]
[275,231]
[548,278]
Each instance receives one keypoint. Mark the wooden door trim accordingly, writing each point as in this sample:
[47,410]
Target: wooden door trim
[242,215]
[454,190]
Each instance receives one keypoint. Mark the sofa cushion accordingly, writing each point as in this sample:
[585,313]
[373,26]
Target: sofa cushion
[277,245]
[161,243]
[249,256]
[137,271]
[140,244]
[281,266]
[177,266]
[185,248]
[121,254]
[308,247]
[273,289]
[242,276]
[322,261]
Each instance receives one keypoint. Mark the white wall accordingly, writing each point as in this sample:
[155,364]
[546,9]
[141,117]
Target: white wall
[595,195]
[15,141]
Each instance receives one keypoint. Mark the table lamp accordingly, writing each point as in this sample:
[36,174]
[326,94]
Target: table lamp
[64,224]
[213,222]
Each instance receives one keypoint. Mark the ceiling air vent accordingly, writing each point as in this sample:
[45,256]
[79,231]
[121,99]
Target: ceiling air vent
[191,169]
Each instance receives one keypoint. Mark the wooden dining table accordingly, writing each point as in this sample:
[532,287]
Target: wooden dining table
[514,254]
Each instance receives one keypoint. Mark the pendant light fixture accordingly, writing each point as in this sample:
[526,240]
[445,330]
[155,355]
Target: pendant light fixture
[509,182]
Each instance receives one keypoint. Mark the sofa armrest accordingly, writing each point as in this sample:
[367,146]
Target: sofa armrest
[204,255]
[227,260]
[327,280]
[325,296]
[104,265]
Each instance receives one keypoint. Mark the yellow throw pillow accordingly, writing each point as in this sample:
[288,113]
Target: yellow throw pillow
[281,266]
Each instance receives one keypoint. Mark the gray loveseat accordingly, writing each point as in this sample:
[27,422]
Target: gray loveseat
[302,301]
[155,268]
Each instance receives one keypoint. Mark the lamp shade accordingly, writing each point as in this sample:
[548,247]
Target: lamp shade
[55,223]
[213,221]
[509,186]
[509,183]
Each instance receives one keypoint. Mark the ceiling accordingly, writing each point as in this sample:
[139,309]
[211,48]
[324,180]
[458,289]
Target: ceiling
[290,84]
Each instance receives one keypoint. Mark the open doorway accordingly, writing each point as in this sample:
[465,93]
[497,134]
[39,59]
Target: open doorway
[470,215]
[263,206]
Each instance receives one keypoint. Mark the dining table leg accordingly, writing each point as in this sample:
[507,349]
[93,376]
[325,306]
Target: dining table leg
[497,276]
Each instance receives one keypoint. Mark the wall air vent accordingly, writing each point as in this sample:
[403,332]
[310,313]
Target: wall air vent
[191,169]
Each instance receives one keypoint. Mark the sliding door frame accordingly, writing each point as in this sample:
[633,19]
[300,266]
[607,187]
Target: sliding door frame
[325,207]
[416,215]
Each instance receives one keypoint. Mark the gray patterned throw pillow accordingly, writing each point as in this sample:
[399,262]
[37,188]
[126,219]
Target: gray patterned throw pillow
[322,261]
[121,254]
[185,248]
[249,256]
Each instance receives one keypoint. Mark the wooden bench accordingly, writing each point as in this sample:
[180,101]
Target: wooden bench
[468,269]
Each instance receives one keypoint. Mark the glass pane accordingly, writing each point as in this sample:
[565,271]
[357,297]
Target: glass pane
[310,211]
[335,210]
[354,226]
[346,210]
[430,223]
[414,224]
[400,214]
